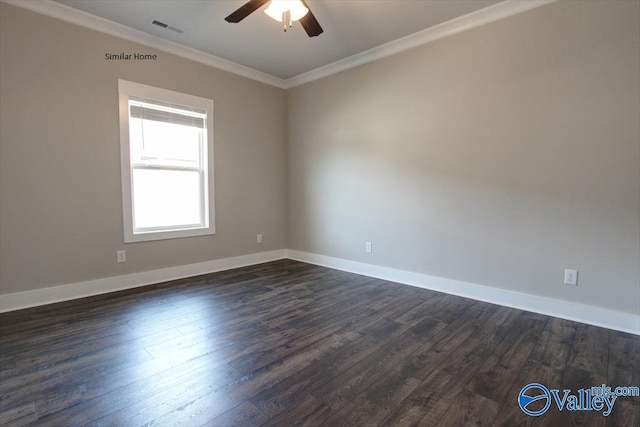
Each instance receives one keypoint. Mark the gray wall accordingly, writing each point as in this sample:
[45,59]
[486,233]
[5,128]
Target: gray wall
[60,193]
[499,156]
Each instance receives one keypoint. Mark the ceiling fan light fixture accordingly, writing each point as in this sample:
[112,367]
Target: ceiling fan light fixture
[285,11]
[277,10]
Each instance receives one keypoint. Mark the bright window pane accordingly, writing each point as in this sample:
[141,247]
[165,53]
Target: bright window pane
[165,198]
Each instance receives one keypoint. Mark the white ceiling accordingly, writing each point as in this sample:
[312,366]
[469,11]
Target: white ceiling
[351,27]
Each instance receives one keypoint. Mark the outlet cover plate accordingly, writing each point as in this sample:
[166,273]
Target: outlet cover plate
[571,277]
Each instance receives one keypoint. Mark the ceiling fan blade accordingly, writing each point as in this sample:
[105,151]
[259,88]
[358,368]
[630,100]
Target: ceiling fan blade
[310,23]
[245,10]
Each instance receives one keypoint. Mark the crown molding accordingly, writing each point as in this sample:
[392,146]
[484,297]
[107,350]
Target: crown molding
[463,23]
[87,20]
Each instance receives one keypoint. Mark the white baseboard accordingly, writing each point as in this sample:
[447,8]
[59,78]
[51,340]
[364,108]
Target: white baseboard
[591,315]
[20,300]
[582,313]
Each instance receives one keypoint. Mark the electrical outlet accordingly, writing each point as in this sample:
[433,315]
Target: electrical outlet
[121,256]
[259,238]
[368,247]
[571,277]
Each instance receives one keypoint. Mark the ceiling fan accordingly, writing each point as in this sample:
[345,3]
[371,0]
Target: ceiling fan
[284,11]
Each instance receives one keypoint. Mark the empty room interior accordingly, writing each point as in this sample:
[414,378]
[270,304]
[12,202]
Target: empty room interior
[357,212]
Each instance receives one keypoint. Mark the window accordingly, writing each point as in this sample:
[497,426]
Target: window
[166,141]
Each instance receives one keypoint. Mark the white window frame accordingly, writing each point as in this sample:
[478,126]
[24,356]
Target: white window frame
[127,90]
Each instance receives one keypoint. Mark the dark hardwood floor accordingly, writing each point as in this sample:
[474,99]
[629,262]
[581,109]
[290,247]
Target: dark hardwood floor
[287,343]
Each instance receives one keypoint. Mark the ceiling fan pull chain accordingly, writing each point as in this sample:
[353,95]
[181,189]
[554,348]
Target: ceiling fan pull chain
[286,19]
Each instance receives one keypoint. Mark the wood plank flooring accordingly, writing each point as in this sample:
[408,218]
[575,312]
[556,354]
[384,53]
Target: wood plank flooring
[287,343]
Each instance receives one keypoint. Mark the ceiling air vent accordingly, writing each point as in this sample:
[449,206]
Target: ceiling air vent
[167,26]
